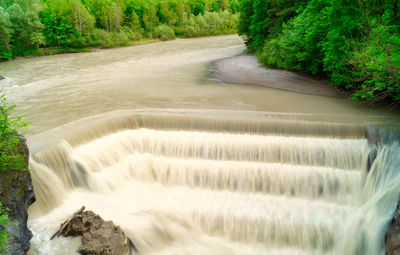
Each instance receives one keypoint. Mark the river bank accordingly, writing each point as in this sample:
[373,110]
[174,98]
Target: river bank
[17,194]
[69,50]
[61,50]
[245,69]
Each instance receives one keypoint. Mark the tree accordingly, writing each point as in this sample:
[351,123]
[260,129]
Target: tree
[19,25]
[259,28]
[59,23]
[111,16]
[26,28]
[5,35]
[182,10]
[224,5]
[83,21]
[166,16]
[135,23]
[197,6]
[246,12]
[106,23]
[150,18]
[375,64]
[355,44]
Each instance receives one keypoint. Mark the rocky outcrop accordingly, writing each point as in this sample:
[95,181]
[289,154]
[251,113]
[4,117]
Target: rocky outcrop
[99,237]
[16,194]
[393,234]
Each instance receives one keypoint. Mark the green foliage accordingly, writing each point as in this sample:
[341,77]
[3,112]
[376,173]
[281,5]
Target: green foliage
[81,18]
[10,154]
[20,27]
[197,6]
[262,19]
[259,28]
[353,43]
[58,24]
[299,45]
[376,65]
[235,6]
[4,239]
[5,35]
[246,12]
[164,33]
[27,25]
[211,23]
[12,157]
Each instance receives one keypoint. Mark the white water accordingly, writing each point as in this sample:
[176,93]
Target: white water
[184,181]
[183,191]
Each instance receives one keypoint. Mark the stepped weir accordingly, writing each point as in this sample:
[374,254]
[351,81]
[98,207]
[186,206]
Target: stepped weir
[222,183]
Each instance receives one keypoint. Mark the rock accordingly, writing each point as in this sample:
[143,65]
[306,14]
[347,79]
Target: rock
[16,193]
[2,77]
[99,237]
[393,234]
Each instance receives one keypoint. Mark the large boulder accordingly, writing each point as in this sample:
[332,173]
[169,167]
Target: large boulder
[99,237]
[16,194]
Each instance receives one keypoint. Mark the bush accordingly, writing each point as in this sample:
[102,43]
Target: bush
[211,23]
[104,39]
[97,37]
[299,47]
[77,42]
[164,33]
[132,35]
[376,65]
[11,157]
[4,239]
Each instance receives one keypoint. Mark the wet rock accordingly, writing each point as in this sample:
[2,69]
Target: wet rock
[99,237]
[2,77]
[393,234]
[16,194]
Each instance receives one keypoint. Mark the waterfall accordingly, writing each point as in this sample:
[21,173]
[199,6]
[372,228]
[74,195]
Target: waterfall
[193,184]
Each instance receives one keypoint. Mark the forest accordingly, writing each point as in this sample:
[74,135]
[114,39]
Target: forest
[354,44]
[50,25]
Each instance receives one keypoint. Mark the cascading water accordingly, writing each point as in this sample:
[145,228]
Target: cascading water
[214,184]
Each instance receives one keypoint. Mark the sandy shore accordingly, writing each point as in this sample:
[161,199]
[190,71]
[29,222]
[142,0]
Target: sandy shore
[245,69]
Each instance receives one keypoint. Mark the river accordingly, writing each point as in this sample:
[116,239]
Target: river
[147,137]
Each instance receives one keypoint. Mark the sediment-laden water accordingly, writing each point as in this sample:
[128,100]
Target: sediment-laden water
[226,169]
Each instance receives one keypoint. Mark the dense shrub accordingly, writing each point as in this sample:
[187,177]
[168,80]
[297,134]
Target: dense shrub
[164,32]
[211,23]
[376,65]
[3,232]
[10,156]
